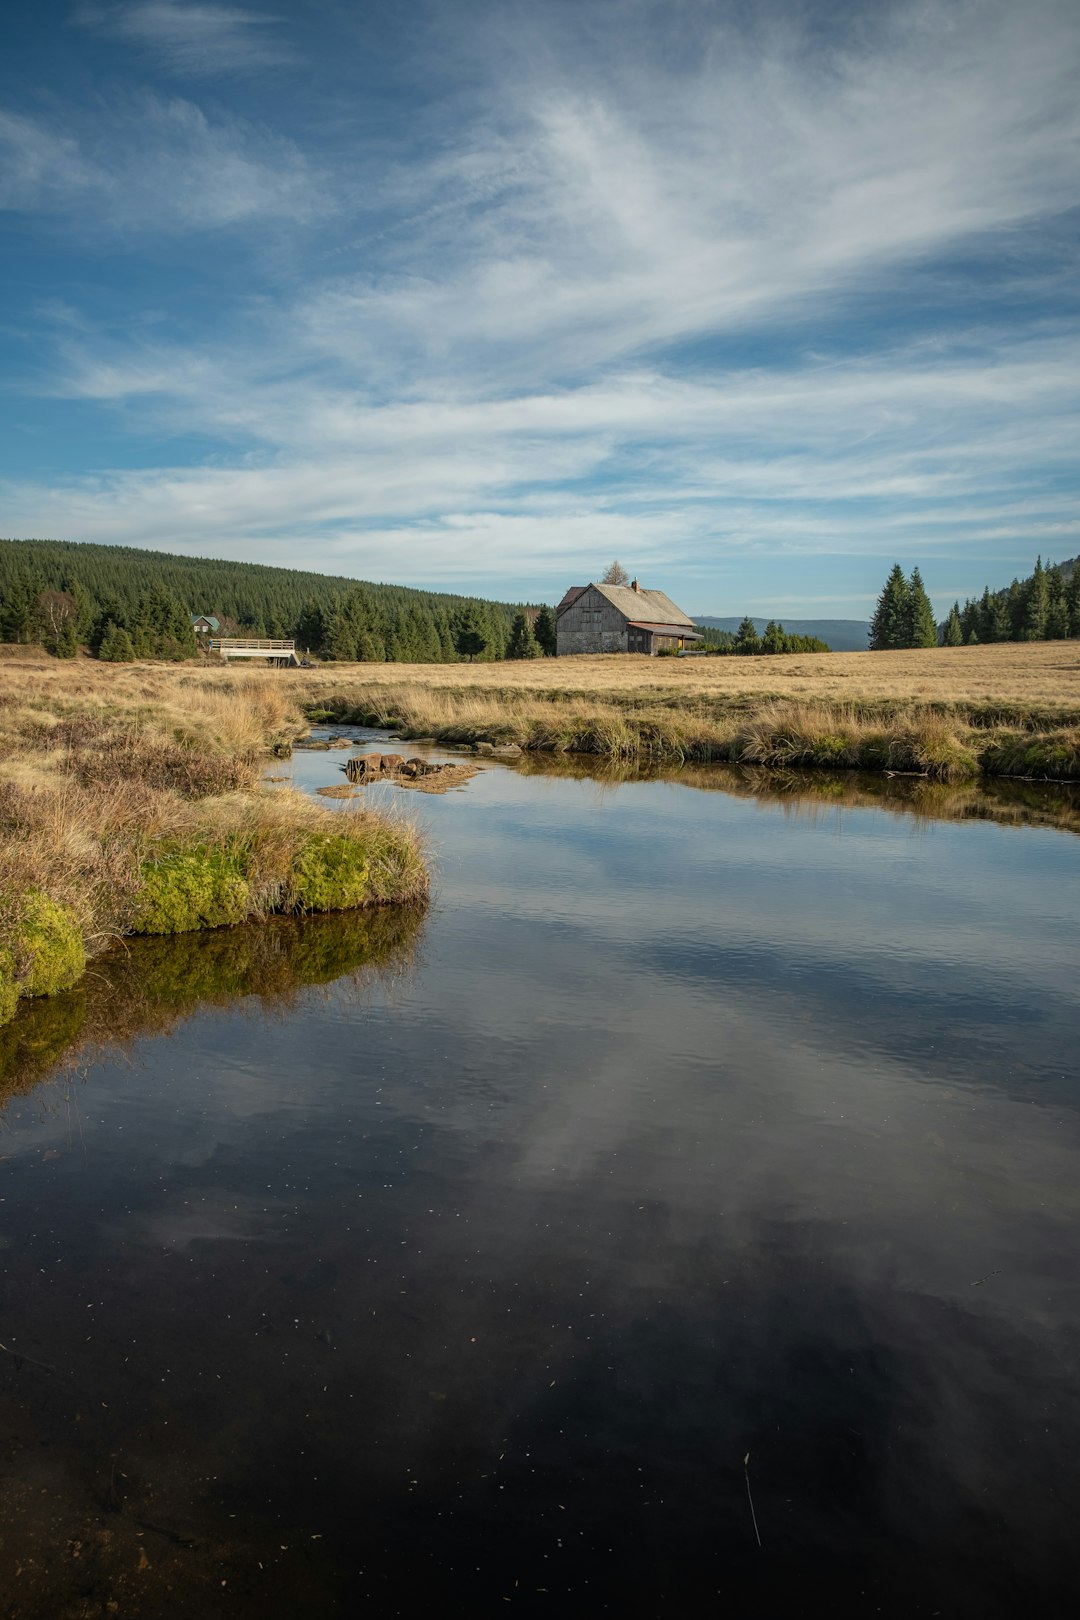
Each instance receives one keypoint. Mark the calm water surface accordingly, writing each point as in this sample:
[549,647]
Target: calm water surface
[468,1264]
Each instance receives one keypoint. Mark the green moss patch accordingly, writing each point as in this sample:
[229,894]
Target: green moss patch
[185,889]
[8,993]
[329,873]
[1053,758]
[49,941]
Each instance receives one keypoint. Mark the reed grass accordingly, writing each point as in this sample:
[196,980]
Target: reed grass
[943,741]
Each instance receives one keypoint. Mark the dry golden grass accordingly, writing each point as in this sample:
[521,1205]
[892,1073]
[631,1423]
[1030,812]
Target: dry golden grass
[1039,673]
[106,773]
[1025,674]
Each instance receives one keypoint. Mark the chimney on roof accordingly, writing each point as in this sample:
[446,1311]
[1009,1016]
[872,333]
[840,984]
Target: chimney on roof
[634,586]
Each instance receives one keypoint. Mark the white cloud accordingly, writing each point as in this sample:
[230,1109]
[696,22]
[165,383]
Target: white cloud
[193,40]
[155,164]
[39,167]
[527,340]
[638,209]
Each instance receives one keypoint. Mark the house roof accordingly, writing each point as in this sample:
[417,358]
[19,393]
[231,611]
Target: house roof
[570,598]
[632,604]
[658,608]
[666,629]
[209,618]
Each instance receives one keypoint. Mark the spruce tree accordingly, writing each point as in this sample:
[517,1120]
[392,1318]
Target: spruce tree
[1057,620]
[1036,605]
[772,640]
[311,626]
[747,640]
[954,635]
[116,646]
[985,622]
[469,638]
[1015,600]
[889,628]
[999,628]
[339,640]
[522,643]
[1072,597]
[545,632]
[921,625]
[67,642]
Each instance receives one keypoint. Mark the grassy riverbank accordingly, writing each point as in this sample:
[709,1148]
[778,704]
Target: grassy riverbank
[947,714]
[131,802]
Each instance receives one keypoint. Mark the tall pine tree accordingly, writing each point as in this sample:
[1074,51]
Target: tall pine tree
[522,643]
[545,632]
[922,626]
[890,625]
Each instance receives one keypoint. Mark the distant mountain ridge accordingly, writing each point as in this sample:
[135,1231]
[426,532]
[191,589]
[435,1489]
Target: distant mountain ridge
[842,635]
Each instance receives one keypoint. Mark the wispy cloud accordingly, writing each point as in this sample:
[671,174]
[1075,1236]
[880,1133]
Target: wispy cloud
[904,454]
[40,168]
[688,290]
[155,164]
[192,40]
[639,209]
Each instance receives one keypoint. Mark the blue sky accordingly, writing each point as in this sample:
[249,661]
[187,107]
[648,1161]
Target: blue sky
[477,294]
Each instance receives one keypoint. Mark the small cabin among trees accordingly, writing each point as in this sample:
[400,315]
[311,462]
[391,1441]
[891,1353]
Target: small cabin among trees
[621,618]
[204,624]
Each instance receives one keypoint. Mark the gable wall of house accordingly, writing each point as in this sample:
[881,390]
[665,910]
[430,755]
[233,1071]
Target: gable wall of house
[592,624]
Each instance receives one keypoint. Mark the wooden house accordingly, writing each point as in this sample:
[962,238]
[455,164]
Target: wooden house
[620,618]
[204,624]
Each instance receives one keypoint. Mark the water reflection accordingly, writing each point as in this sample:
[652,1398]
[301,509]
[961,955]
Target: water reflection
[1006,801]
[700,1129]
[148,986]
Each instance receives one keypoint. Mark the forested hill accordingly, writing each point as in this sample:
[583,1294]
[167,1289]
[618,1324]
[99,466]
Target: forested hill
[149,595]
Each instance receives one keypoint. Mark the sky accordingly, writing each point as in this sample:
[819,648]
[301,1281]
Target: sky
[757,296]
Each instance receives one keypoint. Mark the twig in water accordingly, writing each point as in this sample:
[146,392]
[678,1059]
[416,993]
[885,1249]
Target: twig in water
[753,1515]
[20,1358]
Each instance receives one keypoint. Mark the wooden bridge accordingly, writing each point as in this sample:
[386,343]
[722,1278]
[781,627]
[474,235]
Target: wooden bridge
[276,652]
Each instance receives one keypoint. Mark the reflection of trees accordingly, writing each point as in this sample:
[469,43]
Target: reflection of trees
[1008,801]
[149,985]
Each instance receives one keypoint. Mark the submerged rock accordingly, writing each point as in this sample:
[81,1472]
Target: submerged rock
[425,774]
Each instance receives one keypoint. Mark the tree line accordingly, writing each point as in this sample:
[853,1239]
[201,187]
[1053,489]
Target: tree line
[773,639]
[1043,607]
[124,603]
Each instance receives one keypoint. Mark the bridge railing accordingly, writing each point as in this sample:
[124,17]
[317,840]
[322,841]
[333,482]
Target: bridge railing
[227,644]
